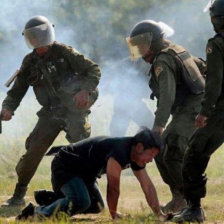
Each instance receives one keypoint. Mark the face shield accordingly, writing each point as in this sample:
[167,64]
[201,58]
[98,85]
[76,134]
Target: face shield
[208,6]
[39,36]
[139,45]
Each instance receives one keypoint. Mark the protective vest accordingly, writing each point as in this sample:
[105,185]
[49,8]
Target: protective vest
[189,79]
[54,81]
[190,72]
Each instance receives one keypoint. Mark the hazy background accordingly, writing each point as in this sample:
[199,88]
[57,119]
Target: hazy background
[97,28]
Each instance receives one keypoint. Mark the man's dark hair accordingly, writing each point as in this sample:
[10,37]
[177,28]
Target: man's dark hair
[148,138]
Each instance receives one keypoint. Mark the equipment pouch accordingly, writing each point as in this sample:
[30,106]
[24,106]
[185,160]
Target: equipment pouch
[191,73]
[188,68]
[34,77]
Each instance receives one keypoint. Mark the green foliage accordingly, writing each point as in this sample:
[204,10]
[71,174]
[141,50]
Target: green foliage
[102,25]
[98,28]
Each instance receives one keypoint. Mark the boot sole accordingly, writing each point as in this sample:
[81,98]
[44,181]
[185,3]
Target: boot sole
[12,205]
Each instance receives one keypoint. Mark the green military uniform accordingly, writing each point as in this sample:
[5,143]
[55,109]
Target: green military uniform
[206,140]
[176,99]
[210,121]
[56,78]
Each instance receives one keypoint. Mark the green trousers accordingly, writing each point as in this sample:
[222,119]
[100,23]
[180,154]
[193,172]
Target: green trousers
[170,160]
[45,132]
[202,145]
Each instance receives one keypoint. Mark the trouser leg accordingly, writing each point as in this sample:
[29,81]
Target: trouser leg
[37,144]
[77,127]
[76,199]
[173,159]
[175,137]
[42,136]
[201,146]
[170,160]
[171,171]
[44,197]
[160,163]
[97,203]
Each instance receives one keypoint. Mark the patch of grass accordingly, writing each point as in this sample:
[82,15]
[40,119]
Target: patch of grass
[132,200]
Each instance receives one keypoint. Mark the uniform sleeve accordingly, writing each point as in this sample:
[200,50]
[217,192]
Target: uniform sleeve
[87,69]
[18,90]
[167,91]
[214,78]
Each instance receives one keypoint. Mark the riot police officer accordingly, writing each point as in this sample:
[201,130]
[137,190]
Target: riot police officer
[210,135]
[178,85]
[64,82]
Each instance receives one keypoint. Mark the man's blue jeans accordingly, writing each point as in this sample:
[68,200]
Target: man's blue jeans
[79,198]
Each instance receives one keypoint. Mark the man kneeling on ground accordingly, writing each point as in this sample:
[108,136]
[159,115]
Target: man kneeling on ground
[76,167]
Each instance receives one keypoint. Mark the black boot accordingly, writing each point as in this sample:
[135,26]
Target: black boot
[193,213]
[176,204]
[27,212]
[18,197]
[44,197]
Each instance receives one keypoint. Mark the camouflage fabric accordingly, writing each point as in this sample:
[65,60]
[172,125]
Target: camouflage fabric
[206,140]
[173,98]
[214,91]
[175,137]
[56,78]
[46,130]
[60,72]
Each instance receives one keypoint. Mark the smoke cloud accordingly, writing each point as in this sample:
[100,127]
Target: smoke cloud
[124,103]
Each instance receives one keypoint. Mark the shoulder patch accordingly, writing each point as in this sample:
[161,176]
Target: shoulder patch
[158,69]
[209,50]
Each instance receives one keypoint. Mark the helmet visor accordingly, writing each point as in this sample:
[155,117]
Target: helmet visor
[139,45]
[39,36]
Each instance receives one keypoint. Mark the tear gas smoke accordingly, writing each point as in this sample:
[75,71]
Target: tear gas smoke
[124,102]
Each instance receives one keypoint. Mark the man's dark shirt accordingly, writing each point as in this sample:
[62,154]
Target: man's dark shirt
[88,159]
